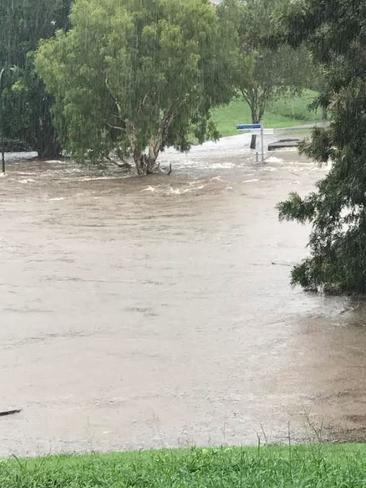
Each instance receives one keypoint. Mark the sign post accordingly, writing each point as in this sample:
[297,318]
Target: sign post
[256,129]
[262,143]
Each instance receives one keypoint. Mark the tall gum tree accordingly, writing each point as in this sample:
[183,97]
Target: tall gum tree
[336,34]
[263,72]
[133,77]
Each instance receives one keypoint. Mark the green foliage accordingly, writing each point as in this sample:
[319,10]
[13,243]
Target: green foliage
[136,74]
[24,105]
[297,106]
[262,73]
[269,467]
[336,34]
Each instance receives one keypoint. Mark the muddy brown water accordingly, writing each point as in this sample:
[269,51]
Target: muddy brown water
[154,312]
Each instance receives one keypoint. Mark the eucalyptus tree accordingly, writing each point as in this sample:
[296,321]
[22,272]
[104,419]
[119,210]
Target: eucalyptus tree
[336,34]
[264,72]
[133,77]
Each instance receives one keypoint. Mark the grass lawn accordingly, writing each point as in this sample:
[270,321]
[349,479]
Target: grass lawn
[286,112]
[325,466]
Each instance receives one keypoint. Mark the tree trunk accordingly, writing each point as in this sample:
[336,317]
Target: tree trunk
[50,151]
[324,113]
[252,98]
[145,164]
[48,148]
[255,120]
[253,142]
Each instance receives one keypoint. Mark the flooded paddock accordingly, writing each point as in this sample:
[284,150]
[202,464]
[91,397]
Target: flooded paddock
[155,312]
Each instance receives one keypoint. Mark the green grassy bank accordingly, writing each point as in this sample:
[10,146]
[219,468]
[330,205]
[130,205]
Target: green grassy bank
[332,466]
[285,112]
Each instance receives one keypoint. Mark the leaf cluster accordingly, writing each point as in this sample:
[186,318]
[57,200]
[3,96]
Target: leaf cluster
[135,74]
[25,107]
[336,35]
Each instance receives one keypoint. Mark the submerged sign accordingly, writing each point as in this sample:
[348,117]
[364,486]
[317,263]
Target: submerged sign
[256,129]
[248,126]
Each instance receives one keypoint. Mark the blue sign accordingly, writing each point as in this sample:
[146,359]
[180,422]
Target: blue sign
[249,126]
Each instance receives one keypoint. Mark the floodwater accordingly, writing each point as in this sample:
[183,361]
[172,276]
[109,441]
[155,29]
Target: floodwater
[155,312]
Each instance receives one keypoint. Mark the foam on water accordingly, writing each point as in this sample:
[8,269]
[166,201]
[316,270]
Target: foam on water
[149,188]
[274,159]
[226,165]
[144,287]
[96,178]
[25,181]
[178,191]
[254,180]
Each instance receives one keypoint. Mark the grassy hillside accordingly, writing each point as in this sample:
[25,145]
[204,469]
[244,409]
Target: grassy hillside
[286,112]
[325,466]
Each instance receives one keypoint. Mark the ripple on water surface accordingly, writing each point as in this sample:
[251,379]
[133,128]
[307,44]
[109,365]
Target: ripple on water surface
[150,312]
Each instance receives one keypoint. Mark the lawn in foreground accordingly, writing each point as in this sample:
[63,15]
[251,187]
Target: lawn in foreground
[285,112]
[312,466]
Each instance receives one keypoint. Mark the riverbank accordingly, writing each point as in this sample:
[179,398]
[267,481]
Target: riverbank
[282,113]
[273,466]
